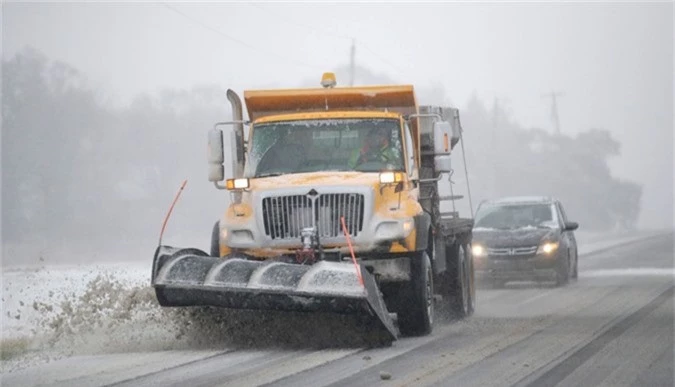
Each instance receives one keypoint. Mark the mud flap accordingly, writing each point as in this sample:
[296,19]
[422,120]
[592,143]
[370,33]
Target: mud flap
[190,277]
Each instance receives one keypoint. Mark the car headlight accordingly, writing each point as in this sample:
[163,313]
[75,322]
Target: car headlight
[478,251]
[548,248]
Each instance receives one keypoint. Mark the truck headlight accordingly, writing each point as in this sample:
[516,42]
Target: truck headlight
[478,251]
[548,248]
[231,184]
[390,177]
[408,226]
[394,229]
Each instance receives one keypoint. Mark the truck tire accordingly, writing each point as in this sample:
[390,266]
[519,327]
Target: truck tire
[416,311]
[215,240]
[471,277]
[463,284]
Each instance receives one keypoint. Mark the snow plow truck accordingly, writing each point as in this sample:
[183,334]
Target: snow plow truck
[335,206]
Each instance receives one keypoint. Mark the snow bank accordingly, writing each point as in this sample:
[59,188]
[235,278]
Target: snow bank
[52,312]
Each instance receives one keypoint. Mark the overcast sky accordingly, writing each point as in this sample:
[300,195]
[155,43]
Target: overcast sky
[612,61]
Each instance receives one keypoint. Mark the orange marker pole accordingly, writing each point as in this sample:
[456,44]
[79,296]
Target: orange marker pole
[351,250]
[166,218]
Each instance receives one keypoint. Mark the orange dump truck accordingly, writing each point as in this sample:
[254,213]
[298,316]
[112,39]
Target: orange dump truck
[335,206]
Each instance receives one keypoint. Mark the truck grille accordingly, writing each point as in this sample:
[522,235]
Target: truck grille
[284,217]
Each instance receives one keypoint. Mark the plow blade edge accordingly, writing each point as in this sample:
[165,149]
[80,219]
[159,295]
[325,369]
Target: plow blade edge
[190,277]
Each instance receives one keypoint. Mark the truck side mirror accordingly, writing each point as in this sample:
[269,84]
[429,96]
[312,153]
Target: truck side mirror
[442,146]
[442,164]
[216,156]
[442,137]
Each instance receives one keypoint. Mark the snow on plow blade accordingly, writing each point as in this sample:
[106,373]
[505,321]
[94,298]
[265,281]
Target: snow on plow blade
[189,277]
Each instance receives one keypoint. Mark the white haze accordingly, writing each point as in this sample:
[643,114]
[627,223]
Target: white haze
[614,63]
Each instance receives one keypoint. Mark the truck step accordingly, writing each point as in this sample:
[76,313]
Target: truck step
[451,197]
[442,198]
[450,214]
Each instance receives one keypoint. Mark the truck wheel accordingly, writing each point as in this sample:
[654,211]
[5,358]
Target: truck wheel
[563,272]
[471,277]
[463,294]
[416,312]
[215,240]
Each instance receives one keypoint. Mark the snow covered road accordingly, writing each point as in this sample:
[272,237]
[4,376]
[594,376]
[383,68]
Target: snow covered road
[100,325]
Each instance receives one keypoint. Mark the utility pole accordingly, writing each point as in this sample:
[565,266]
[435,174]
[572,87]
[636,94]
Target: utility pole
[554,108]
[352,65]
[493,149]
[495,121]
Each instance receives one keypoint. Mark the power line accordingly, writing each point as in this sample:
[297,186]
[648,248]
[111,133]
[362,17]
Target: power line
[383,60]
[302,25]
[212,29]
[333,34]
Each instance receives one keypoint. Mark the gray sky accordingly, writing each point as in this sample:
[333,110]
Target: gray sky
[613,61]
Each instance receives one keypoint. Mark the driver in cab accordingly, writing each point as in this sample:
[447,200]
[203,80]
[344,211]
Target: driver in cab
[376,148]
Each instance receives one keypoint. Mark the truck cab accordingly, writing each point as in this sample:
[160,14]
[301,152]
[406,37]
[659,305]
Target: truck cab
[311,170]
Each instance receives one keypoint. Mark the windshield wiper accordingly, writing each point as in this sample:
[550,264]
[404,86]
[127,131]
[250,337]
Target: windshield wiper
[270,174]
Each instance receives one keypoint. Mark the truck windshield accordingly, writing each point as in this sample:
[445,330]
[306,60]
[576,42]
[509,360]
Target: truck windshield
[365,145]
[515,216]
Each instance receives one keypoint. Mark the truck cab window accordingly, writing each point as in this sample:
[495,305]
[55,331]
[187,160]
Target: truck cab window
[410,153]
[364,145]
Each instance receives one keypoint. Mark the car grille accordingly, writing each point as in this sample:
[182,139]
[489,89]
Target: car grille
[284,217]
[512,251]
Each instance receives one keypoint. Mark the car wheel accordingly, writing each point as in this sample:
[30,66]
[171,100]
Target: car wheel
[563,272]
[575,270]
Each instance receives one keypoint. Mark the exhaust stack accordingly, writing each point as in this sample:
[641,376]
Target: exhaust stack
[237,115]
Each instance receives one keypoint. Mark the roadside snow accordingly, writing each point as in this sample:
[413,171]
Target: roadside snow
[589,243]
[62,311]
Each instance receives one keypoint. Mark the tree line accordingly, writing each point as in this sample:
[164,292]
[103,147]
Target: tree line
[76,168]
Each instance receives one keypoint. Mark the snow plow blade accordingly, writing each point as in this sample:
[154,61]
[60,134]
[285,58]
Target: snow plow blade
[190,277]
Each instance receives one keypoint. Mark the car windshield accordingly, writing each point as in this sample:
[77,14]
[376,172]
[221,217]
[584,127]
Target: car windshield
[515,216]
[365,145]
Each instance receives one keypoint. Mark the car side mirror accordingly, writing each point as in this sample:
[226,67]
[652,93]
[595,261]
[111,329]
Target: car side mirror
[571,226]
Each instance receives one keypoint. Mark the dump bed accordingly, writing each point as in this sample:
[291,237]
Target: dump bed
[260,103]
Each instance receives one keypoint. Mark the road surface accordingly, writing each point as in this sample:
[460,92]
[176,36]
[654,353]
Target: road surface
[612,327]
